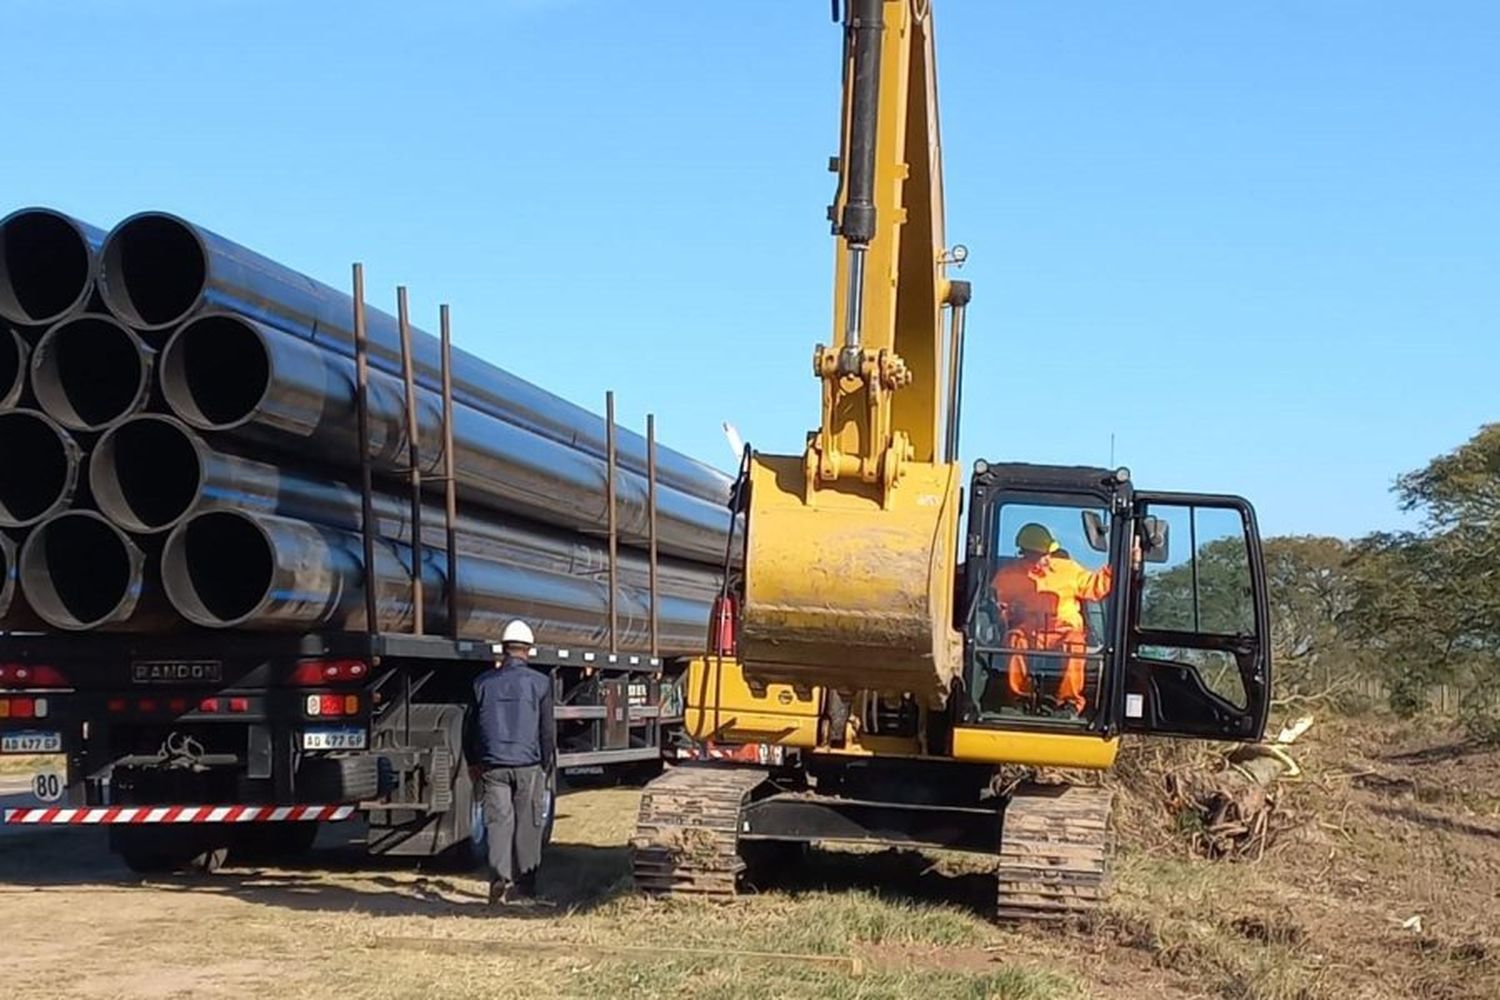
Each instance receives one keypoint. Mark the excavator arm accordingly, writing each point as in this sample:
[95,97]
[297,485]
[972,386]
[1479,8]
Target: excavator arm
[851,546]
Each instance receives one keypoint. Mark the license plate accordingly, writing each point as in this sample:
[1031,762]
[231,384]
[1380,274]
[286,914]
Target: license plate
[31,741]
[176,671]
[333,738]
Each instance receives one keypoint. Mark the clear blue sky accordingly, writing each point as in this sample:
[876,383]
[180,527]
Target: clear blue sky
[1259,242]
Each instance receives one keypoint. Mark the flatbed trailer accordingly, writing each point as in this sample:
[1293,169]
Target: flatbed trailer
[192,745]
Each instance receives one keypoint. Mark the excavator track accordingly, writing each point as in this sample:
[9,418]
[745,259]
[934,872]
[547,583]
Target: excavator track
[1054,853]
[687,833]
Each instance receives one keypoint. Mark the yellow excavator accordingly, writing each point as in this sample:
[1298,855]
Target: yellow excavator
[927,664]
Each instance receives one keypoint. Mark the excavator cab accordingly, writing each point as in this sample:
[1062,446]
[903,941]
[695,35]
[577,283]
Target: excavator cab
[1145,613]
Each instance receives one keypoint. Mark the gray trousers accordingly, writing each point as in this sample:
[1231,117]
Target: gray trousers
[515,802]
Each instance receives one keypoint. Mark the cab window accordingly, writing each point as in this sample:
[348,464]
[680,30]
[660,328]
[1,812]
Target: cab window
[1040,616]
[1204,589]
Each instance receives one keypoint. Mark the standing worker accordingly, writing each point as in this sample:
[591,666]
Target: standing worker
[512,750]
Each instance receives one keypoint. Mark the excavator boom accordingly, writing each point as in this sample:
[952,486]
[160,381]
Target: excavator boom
[851,546]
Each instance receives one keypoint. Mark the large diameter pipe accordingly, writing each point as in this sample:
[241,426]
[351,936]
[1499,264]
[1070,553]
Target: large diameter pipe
[229,569]
[226,373]
[233,569]
[46,265]
[39,468]
[151,473]
[91,371]
[14,352]
[15,614]
[80,572]
[156,270]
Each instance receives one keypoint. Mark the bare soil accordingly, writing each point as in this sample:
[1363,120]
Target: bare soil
[1383,880]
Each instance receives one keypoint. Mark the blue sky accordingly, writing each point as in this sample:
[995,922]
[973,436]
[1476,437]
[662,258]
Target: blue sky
[1259,243]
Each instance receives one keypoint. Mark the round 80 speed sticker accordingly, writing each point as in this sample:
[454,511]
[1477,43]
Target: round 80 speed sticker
[48,786]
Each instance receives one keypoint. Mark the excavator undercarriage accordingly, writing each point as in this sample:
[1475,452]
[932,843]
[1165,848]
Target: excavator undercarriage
[700,826]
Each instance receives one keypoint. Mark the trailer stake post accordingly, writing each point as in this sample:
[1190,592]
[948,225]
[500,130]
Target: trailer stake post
[614,527]
[414,452]
[362,417]
[450,483]
[651,522]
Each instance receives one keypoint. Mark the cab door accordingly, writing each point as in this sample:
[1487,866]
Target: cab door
[1197,629]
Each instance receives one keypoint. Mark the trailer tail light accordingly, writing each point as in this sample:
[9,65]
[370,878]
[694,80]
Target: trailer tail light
[117,705]
[239,704]
[23,708]
[27,675]
[315,673]
[332,705]
[209,706]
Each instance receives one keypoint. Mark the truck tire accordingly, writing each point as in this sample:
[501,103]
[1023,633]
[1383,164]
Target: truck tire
[269,842]
[152,850]
[331,780]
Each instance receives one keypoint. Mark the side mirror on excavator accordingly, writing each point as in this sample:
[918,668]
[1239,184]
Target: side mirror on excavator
[1154,536]
[1095,531]
[1155,547]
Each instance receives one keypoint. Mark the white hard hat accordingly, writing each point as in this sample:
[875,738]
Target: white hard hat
[517,632]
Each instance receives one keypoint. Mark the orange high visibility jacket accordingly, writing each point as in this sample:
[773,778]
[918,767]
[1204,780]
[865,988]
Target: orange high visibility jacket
[1044,595]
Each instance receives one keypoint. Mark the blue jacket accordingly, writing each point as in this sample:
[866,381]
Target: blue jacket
[511,723]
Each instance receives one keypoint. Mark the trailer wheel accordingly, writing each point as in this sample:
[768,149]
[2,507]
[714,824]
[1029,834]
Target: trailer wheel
[148,851]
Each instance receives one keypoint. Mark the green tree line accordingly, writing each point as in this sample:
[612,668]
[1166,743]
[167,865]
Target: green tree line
[1403,612]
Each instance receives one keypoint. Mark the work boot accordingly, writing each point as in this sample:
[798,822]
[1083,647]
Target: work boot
[525,888]
[500,891]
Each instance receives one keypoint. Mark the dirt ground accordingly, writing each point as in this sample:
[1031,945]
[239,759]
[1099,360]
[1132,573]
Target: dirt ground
[1383,881]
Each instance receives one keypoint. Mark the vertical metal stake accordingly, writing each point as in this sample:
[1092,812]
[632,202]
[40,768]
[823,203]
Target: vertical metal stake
[651,521]
[614,528]
[414,460]
[450,484]
[362,408]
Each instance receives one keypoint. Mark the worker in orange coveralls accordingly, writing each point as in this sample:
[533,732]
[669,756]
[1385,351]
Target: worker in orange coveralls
[1039,596]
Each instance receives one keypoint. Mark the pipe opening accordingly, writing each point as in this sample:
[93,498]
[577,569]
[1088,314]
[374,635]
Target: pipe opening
[215,372]
[89,372]
[153,271]
[78,570]
[38,468]
[217,568]
[13,352]
[44,267]
[145,474]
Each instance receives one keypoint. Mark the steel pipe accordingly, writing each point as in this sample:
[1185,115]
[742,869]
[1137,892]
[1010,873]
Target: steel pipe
[46,265]
[151,473]
[226,373]
[233,569]
[14,353]
[156,270]
[15,614]
[229,569]
[39,468]
[80,572]
[91,371]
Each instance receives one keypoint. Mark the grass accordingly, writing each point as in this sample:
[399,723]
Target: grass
[1220,924]
[340,920]
[1372,839]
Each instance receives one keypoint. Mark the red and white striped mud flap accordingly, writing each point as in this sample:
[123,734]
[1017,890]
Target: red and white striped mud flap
[97,815]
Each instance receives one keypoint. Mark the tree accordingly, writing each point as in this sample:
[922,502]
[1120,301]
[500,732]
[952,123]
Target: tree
[1427,603]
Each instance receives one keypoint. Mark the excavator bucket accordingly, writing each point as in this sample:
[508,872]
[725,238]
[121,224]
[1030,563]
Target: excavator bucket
[844,592]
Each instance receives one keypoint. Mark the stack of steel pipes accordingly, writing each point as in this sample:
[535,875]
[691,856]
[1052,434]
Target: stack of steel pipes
[180,448]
